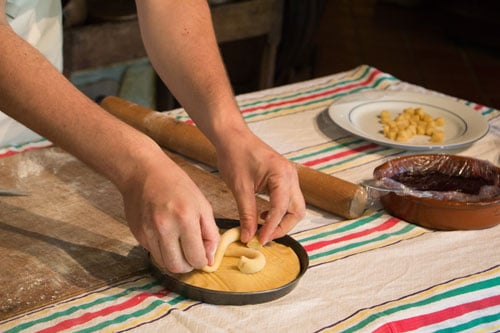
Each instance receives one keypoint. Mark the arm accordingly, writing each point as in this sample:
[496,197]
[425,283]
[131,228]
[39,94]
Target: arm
[166,211]
[181,44]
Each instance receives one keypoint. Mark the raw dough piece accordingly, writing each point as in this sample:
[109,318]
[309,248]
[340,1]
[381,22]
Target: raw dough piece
[282,266]
[251,259]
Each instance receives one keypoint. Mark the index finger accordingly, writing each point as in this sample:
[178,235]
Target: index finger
[247,209]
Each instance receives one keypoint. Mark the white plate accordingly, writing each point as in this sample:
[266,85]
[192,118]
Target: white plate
[359,114]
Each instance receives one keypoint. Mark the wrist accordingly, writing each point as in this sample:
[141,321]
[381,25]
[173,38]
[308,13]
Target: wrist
[228,129]
[130,167]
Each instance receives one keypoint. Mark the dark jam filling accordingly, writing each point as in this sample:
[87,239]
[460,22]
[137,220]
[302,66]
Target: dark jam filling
[435,181]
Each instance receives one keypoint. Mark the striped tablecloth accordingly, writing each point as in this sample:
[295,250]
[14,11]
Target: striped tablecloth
[376,273]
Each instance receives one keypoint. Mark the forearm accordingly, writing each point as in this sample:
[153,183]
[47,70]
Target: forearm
[33,92]
[186,56]
[165,210]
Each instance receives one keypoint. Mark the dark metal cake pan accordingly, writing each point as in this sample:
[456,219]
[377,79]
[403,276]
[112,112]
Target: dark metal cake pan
[235,298]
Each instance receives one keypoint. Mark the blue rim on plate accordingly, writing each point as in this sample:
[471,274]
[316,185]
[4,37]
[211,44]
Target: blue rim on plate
[359,114]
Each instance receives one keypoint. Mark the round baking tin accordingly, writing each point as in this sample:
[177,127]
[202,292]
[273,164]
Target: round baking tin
[235,298]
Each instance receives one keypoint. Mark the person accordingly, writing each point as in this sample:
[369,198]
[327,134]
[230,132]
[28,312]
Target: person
[165,210]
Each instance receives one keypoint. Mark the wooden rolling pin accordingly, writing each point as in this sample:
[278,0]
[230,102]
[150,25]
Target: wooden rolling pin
[320,190]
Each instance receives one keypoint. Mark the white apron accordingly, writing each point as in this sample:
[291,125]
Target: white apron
[39,22]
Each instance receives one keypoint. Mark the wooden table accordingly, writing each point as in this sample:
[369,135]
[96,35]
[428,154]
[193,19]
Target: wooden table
[69,235]
[69,263]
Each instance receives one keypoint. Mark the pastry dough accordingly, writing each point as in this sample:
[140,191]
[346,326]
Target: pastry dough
[251,259]
[282,267]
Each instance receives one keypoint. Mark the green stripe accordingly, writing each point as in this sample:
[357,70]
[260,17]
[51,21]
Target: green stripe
[351,246]
[487,112]
[24,144]
[327,149]
[73,309]
[345,228]
[297,94]
[471,324]
[310,91]
[355,157]
[120,319]
[276,110]
[315,101]
[438,297]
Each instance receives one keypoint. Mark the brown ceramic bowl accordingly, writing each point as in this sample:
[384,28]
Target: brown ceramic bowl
[436,212]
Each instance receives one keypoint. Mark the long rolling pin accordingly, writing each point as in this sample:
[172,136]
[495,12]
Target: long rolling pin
[320,190]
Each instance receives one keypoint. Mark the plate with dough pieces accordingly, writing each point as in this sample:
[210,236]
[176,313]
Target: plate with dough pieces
[360,114]
[286,263]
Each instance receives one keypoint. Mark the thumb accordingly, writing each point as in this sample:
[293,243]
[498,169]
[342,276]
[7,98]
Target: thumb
[211,237]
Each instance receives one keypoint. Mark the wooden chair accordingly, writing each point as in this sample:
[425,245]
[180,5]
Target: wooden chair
[252,18]
[106,43]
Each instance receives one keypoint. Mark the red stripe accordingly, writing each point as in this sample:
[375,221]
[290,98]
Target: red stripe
[326,92]
[370,78]
[9,153]
[413,323]
[384,226]
[86,317]
[341,154]
[14,152]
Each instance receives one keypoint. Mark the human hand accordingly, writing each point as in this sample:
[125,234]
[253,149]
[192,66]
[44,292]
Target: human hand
[170,217]
[249,166]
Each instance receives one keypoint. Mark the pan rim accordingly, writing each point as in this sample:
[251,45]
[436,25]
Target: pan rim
[235,298]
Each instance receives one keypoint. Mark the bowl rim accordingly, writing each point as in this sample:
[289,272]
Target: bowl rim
[452,203]
[440,202]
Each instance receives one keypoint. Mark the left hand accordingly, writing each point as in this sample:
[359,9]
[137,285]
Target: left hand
[250,166]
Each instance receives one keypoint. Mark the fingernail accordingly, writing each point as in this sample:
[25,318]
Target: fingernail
[188,269]
[263,240]
[211,256]
[245,236]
